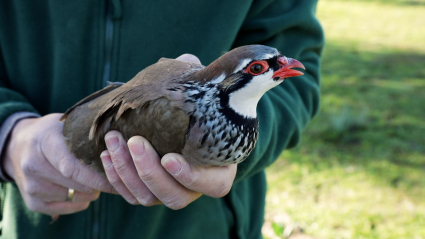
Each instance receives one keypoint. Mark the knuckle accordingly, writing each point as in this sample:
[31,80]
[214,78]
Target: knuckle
[65,169]
[28,168]
[180,201]
[108,167]
[193,180]
[31,191]
[177,204]
[31,188]
[74,172]
[118,151]
[221,190]
[115,181]
[40,142]
[147,200]
[132,201]
[146,174]
[104,186]
[120,166]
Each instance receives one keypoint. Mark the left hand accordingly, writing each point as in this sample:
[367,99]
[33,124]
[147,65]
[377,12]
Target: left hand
[141,177]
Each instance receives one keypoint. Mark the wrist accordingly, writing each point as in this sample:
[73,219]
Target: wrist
[11,147]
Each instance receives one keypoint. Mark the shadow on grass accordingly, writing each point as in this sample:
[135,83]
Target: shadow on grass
[372,117]
[395,2]
[375,96]
[351,60]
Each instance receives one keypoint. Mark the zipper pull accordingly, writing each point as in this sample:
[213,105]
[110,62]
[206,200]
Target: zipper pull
[117,9]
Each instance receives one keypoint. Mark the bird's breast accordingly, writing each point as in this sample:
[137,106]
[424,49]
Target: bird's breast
[213,140]
[215,137]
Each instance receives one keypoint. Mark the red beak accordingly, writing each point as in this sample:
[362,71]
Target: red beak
[285,70]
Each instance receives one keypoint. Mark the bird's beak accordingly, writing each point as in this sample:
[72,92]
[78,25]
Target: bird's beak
[285,70]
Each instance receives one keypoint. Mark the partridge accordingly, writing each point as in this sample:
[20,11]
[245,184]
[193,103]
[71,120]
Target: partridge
[208,114]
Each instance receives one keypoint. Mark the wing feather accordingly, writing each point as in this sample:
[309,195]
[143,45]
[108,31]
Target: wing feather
[112,86]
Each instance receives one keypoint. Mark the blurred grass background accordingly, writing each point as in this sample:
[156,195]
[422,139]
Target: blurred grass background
[359,171]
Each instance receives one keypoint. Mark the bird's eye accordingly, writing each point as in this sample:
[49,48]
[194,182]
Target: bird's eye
[257,67]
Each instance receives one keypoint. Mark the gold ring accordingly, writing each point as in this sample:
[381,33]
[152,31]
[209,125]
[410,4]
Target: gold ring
[71,193]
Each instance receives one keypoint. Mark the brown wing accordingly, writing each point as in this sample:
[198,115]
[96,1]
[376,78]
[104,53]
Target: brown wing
[164,125]
[161,80]
[143,106]
[112,86]
[135,108]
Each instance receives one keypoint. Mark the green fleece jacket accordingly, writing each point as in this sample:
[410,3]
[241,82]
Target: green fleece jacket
[53,53]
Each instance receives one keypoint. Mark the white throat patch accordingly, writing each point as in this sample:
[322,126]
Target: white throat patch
[244,101]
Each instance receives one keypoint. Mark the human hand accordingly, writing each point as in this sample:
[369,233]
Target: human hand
[38,160]
[141,177]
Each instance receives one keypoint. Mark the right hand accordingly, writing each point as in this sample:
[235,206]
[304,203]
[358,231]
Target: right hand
[38,160]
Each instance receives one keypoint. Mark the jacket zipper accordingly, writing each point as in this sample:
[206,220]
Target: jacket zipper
[107,64]
[113,11]
[109,33]
[96,220]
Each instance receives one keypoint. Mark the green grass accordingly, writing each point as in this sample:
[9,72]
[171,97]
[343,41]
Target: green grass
[359,171]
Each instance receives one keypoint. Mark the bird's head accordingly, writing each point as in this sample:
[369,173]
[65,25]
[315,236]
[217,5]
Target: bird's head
[244,74]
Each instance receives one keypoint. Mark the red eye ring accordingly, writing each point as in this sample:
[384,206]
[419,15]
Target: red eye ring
[251,68]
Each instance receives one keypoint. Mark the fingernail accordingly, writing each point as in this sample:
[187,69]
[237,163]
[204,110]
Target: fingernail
[172,165]
[112,142]
[137,148]
[106,161]
[104,154]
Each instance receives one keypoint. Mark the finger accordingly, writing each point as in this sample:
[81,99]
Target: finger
[83,197]
[211,181]
[161,184]
[189,58]
[115,179]
[58,155]
[38,170]
[50,192]
[55,208]
[124,166]
[68,183]
[62,208]
[78,197]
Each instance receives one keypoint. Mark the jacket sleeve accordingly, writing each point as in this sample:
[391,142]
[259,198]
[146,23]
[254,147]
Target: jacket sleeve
[5,130]
[13,107]
[283,112]
[10,101]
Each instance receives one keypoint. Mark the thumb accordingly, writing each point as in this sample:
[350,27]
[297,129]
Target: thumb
[189,58]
